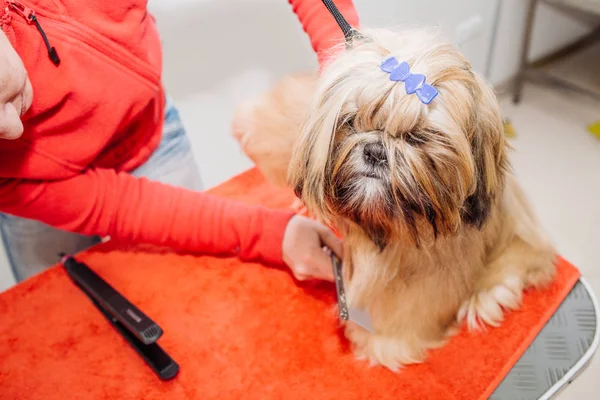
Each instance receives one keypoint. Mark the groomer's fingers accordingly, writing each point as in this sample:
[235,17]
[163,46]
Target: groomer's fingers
[330,240]
[319,268]
[302,249]
[314,265]
[322,267]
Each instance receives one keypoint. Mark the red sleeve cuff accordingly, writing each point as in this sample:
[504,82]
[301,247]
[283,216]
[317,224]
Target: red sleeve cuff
[269,247]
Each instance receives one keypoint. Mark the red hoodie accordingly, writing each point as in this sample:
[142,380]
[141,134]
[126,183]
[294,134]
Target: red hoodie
[99,113]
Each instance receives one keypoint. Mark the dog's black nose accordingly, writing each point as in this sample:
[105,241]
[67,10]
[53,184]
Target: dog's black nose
[374,154]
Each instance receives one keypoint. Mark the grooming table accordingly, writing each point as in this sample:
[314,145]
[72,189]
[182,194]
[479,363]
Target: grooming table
[559,352]
[248,331]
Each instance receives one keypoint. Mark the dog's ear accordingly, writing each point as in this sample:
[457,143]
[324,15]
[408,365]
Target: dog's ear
[306,172]
[297,171]
[299,166]
[488,147]
[309,169]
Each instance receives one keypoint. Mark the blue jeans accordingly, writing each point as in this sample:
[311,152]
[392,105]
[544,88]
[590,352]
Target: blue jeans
[32,246]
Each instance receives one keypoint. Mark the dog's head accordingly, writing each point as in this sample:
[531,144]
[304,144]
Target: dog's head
[374,155]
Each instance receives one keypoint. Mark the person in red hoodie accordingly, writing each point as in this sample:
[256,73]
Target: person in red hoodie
[91,146]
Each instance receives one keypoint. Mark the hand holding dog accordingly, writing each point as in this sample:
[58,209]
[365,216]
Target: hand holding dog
[303,243]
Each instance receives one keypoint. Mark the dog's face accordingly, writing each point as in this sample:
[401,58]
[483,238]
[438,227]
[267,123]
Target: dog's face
[379,158]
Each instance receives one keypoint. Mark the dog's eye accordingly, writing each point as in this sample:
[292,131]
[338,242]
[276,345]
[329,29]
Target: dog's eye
[347,124]
[413,139]
[349,121]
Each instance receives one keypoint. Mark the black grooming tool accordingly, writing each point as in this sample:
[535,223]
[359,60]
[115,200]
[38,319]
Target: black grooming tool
[349,32]
[135,326]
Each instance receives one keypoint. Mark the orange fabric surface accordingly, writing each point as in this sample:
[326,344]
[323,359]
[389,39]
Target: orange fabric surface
[237,331]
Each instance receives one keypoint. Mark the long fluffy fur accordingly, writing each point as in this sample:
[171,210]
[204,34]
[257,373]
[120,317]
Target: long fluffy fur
[436,228]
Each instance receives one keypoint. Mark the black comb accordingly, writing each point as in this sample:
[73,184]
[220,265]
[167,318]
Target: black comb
[136,327]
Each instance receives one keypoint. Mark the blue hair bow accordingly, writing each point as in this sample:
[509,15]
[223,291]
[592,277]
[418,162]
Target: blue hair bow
[413,83]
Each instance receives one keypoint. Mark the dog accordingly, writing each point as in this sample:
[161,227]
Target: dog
[437,231]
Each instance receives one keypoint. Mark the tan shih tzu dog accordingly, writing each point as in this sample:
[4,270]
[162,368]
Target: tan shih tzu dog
[436,229]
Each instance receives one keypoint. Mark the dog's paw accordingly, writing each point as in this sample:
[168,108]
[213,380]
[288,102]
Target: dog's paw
[487,307]
[391,353]
[541,275]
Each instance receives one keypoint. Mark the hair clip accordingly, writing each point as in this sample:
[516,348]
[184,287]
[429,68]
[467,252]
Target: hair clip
[413,83]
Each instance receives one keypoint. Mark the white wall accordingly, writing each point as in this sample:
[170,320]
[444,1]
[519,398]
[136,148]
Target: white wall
[454,17]
[267,37]
[220,52]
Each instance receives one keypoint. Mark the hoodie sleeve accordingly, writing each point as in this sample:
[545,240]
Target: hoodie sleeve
[104,202]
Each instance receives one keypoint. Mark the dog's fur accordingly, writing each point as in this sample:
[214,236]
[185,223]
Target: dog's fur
[436,229]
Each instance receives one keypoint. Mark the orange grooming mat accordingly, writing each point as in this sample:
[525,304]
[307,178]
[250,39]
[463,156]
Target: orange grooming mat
[238,331]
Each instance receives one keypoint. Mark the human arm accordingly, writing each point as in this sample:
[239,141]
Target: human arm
[103,202]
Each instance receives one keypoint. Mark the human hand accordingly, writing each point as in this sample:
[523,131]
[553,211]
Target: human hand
[16,93]
[303,243]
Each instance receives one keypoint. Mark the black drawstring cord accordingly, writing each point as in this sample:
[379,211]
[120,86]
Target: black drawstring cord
[52,54]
